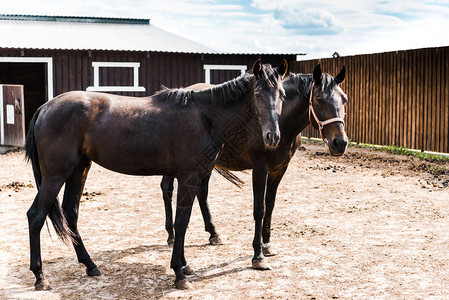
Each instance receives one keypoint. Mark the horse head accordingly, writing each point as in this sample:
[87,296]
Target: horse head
[327,109]
[268,96]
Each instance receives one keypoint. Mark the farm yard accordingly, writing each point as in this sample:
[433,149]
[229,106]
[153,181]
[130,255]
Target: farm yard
[368,224]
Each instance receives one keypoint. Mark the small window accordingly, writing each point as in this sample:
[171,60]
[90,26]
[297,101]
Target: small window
[116,88]
[208,68]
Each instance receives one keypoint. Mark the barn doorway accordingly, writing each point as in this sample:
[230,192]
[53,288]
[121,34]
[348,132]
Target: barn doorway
[33,78]
[36,76]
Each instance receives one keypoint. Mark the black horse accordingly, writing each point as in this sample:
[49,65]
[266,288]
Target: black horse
[315,99]
[175,132]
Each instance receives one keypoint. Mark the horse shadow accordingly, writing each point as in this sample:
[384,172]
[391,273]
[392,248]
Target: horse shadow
[126,273]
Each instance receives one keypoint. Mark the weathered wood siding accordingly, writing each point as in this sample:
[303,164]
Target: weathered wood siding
[396,98]
[12,129]
[72,70]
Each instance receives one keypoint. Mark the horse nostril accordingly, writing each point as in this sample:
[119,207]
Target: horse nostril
[335,142]
[339,143]
[269,136]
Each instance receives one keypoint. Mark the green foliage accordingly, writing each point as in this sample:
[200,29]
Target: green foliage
[392,149]
[405,151]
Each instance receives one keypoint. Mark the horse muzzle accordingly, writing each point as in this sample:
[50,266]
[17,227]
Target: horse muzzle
[272,139]
[337,146]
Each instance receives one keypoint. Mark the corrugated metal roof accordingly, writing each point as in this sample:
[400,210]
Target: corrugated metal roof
[87,33]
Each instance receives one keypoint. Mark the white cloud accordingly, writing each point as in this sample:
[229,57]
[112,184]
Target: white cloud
[317,27]
[311,22]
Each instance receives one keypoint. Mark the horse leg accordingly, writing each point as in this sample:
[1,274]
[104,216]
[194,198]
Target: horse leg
[259,184]
[167,194]
[214,239]
[272,185]
[72,194]
[187,190]
[36,214]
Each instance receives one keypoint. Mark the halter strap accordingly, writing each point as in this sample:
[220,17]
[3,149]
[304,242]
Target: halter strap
[321,124]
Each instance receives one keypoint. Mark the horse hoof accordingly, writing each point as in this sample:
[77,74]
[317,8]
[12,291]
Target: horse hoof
[93,272]
[171,241]
[261,265]
[269,251]
[215,240]
[43,285]
[187,270]
[183,285]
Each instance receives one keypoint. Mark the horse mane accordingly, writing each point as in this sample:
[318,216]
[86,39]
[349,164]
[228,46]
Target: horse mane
[228,92]
[178,96]
[294,81]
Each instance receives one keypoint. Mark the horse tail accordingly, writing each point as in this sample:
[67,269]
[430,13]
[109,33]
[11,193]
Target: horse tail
[55,212]
[31,150]
[228,175]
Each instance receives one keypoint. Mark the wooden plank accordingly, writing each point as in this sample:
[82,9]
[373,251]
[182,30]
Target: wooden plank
[14,115]
[354,100]
[432,112]
[401,110]
[418,99]
[395,99]
[437,115]
[427,97]
[405,80]
[440,120]
[371,99]
[442,83]
[413,102]
[349,90]
[446,103]
[406,127]
[386,102]
[156,71]
[359,100]
[143,74]
[381,98]
[365,99]
[376,78]
[398,99]
[71,64]
[392,72]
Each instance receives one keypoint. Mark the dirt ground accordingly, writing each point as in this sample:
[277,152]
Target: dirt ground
[365,225]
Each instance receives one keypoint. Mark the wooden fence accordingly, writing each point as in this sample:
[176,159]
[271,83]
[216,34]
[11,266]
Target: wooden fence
[396,98]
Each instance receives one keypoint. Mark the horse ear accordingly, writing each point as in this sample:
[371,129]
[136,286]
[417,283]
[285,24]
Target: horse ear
[317,74]
[283,69]
[257,69]
[341,76]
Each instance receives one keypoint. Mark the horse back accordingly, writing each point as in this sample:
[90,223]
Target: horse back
[138,136]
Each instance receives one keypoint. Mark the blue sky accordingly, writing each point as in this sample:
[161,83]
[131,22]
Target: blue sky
[316,27]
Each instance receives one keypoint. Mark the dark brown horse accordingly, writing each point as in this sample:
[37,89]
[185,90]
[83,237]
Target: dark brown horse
[315,99]
[175,132]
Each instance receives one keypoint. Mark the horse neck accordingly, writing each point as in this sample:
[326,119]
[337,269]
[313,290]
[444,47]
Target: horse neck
[227,113]
[232,91]
[296,106]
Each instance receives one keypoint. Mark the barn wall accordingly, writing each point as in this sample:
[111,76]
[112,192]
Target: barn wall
[72,70]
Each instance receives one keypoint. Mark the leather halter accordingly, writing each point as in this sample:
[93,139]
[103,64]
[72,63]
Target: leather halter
[321,124]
